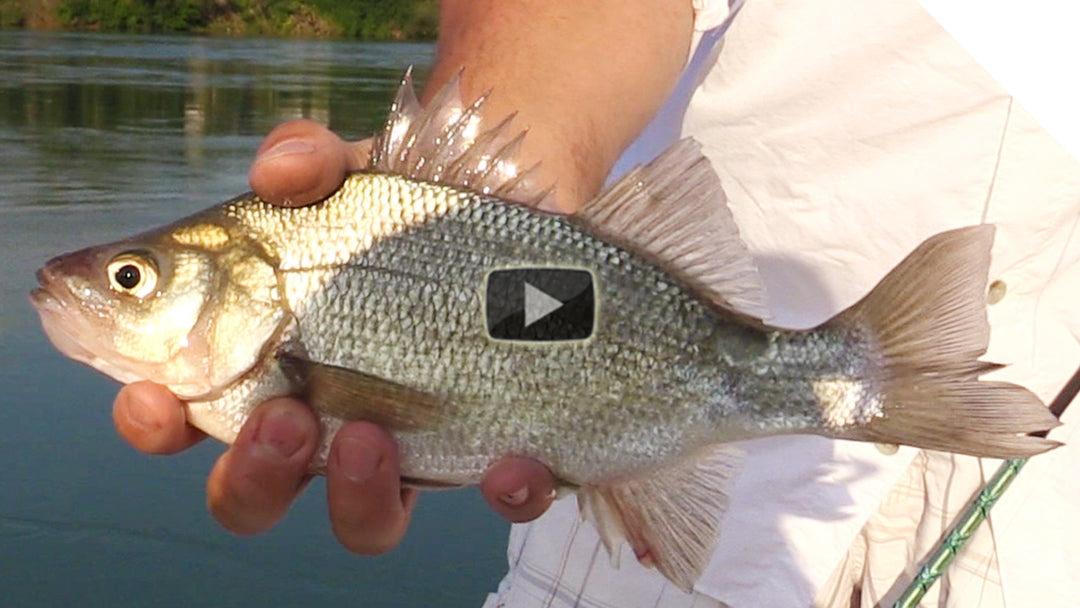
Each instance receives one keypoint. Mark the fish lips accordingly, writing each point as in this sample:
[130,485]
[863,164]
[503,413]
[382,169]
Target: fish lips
[55,295]
[56,320]
[65,317]
[75,284]
[55,305]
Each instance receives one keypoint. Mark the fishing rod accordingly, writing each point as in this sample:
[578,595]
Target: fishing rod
[977,511]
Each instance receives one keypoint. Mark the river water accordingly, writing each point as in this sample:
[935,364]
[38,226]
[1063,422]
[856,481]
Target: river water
[104,135]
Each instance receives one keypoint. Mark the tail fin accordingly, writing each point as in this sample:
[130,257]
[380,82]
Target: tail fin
[928,317]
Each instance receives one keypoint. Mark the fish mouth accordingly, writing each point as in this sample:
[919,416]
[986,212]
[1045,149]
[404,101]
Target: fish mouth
[72,323]
[49,296]
[43,296]
[43,300]
[59,318]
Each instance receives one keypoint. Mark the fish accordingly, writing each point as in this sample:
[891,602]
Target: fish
[374,304]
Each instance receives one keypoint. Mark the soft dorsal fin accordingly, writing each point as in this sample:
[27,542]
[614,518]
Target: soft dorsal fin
[353,395]
[450,143]
[671,517]
[674,213]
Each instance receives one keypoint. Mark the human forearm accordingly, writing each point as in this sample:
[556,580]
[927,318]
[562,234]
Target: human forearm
[584,77]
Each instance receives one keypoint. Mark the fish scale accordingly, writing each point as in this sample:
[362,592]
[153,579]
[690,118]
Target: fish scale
[370,306]
[369,296]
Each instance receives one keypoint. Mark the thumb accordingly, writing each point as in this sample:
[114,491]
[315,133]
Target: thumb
[301,162]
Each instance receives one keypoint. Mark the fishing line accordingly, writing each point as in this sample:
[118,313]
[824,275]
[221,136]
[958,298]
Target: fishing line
[977,511]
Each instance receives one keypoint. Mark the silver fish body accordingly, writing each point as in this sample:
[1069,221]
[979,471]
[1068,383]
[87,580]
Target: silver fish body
[662,374]
[371,305]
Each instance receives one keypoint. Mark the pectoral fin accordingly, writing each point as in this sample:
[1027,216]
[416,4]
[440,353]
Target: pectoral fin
[353,395]
[670,518]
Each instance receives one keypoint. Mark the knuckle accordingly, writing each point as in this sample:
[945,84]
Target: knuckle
[367,523]
[235,517]
[241,501]
[242,517]
[362,541]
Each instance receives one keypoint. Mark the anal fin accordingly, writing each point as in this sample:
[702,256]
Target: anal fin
[671,517]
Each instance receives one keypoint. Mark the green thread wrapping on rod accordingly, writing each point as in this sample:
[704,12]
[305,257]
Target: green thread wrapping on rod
[979,509]
[970,520]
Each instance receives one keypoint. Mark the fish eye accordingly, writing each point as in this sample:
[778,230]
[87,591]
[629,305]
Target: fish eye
[133,274]
[128,276]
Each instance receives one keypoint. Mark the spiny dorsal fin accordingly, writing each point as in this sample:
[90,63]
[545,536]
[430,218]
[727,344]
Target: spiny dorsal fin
[447,143]
[353,395]
[674,213]
[671,517]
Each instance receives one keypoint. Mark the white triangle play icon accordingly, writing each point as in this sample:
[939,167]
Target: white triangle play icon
[538,305]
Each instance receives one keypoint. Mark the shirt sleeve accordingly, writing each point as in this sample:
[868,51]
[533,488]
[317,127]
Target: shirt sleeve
[710,13]
[844,135]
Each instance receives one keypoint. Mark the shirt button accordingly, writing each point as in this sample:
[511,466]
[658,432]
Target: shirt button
[996,292]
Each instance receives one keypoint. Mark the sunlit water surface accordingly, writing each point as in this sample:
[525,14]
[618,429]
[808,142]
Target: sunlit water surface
[101,136]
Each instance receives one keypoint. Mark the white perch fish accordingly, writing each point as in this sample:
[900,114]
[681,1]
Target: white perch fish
[371,305]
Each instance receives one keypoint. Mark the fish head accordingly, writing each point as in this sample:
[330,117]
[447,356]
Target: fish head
[191,314]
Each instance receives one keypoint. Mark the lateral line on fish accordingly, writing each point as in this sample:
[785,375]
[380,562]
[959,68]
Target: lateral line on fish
[675,365]
[382,269]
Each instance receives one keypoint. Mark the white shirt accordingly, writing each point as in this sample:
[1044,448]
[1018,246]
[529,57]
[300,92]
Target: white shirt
[845,134]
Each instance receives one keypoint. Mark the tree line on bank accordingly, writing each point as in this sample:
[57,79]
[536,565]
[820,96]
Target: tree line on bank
[356,19]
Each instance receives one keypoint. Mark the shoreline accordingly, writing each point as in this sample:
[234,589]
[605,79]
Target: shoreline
[374,20]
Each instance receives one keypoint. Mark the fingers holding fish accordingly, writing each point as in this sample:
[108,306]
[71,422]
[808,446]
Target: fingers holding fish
[301,162]
[375,304]
[519,489]
[152,419]
[369,508]
[252,485]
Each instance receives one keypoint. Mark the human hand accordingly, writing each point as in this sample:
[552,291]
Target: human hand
[253,483]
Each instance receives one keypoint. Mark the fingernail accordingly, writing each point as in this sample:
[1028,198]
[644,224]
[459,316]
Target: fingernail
[288,147]
[357,460]
[517,497]
[279,433]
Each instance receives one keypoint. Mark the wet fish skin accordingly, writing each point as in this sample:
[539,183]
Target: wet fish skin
[410,307]
[162,334]
[404,302]
[369,305]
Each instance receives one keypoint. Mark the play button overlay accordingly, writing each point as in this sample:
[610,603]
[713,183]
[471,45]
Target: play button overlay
[540,304]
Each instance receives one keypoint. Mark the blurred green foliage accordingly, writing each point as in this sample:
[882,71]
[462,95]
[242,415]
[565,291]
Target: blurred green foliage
[382,19]
[135,15]
[16,13]
[360,19]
